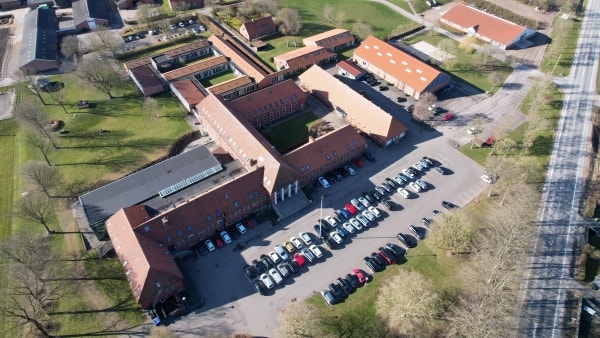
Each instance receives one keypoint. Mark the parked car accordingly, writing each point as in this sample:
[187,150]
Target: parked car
[398,180]
[448,205]
[276,276]
[440,170]
[395,250]
[350,208]
[331,221]
[417,232]
[418,167]
[368,215]
[408,173]
[359,163]
[259,287]
[378,259]
[353,280]
[344,213]
[362,278]
[386,187]
[266,262]
[219,243]
[324,182]
[274,257]
[345,285]
[337,291]
[298,258]
[250,272]
[305,236]
[308,255]
[281,252]
[203,250]
[425,221]
[422,184]
[391,206]
[267,281]
[374,211]
[390,182]
[316,251]
[241,228]
[225,236]
[259,267]
[428,160]
[319,230]
[209,245]
[424,163]
[406,240]
[296,243]
[336,237]
[380,190]
[403,192]
[364,202]
[415,187]
[372,265]
[356,224]
[448,117]
[289,246]
[355,203]
[348,228]
[387,255]
[328,297]
[283,270]
[377,195]
[368,197]
[350,170]
[364,221]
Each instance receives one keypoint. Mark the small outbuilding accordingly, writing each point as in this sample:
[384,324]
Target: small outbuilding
[350,70]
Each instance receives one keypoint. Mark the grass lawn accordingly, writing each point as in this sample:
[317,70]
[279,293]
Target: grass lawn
[290,133]
[379,17]
[211,81]
[463,69]
[561,51]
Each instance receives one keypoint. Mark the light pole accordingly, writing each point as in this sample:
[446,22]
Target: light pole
[321,219]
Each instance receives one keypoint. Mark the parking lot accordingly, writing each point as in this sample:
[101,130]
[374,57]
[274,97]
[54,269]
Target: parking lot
[231,303]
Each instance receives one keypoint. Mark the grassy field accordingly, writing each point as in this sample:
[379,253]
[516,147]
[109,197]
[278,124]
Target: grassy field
[211,81]
[379,17]
[291,133]
[561,50]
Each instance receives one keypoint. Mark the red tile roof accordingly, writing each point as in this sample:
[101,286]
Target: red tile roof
[361,113]
[302,58]
[147,79]
[267,99]
[247,65]
[232,84]
[350,68]
[171,53]
[330,39]
[243,141]
[195,68]
[485,24]
[258,28]
[396,63]
[188,90]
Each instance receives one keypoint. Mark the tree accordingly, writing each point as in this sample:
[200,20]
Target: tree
[328,13]
[33,138]
[30,80]
[496,79]
[36,208]
[58,95]
[45,178]
[289,21]
[151,107]
[103,75]
[409,303]
[361,29]
[421,109]
[477,124]
[298,320]
[453,233]
[164,26]
[145,12]
[69,46]
[31,114]
[103,40]
[467,43]
[487,52]
[448,49]
[340,18]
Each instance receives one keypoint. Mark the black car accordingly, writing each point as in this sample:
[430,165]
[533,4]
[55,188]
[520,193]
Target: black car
[259,287]
[389,205]
[292,267]
[387,253]
[337,291]
[448,205]
[202,250]
[387,187]
[250,272]
[322,230]
[266,261]
[331,244]
[417,232]
[369,157]
[378,259]
[345,285]
[376,195]
[391,182]
[372,265]
[337,218]
[401,99]
[259,267]
[383,88]
[343,172]
[425,221]
[368,197]
[406,240]
[330,178]
[440,170]
[394,249]
[353,280]
[429,161]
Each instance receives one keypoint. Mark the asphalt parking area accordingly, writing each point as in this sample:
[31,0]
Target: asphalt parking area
[232,305]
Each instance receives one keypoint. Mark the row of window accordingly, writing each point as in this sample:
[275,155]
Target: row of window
[212,71]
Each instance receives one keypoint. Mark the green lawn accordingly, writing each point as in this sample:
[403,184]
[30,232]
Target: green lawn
[561,50]
[290,133]
[211,81]
[379,17]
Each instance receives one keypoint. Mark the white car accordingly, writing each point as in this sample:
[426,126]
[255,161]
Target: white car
[316,251]
[296,242]
[283,270]
[415,187]
[375,211]
[398,179]
[418,166]
[363,220]
[241,228]
[368,215]
[355,203]
[276,276]
[350,170]
[305,238]
[348,227]
[473,131]
[324,182]
[403,192]
[336,237]
[422,184]
[267,281]
[487,179]
[355,223]
[225,237]
[331,221]
[281,252]
[424,163]
[209,245]
[274,257]
[364,202]
[408,173]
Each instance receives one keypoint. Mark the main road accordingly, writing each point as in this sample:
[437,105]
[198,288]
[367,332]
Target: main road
[549,291]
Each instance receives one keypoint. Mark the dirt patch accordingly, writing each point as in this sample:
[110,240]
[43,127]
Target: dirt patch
[7,100]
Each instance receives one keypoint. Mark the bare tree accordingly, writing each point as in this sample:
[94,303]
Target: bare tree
[453,233]
[29,79]
[151,107]
[408,303]
[34,139]
[467,44]
[421,109]
[69,46]
[145,12]
[36,208]
[267,6]
[486,53]
[476,127]
[328,13]
[103,40]
[31,114]
[290,22]
[44,178]
[362,29]
[57,94]
[103,75]
[164,26]
[297,320]
[496,79]
[340,18]
[447,48]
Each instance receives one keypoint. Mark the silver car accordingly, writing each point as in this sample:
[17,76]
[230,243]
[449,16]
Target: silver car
[368,215]
[356,224]
[363,220]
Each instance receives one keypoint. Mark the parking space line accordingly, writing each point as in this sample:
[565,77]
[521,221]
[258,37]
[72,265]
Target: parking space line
[445,160]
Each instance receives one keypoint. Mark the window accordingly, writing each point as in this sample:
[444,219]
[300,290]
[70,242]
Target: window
[355,143]
[218,213]
[179,233]
[250,196]
[180,243]
[327,157]
[219,222]
[189,227]
[302,170]
[347,146]
[226,196]
[256,193]
[211,228]
[147,228]
[169,239]
[208,218]
[236,204]
[191,238]
[201,232]
[247,207]
[334,153]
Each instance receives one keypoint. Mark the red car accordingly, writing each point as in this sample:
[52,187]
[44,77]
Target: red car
[219,243]
[448,117]
[359,163]
[350,208]
[361,277]
[298,259]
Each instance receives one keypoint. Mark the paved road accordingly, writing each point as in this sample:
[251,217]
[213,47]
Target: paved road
[549,299]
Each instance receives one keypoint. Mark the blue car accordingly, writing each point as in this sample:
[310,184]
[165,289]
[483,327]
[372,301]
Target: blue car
[344,213]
